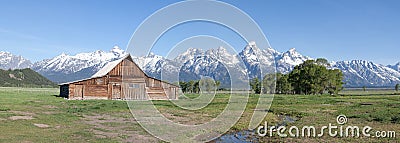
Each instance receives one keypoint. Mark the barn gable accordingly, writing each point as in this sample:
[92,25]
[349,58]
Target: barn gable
[120,79]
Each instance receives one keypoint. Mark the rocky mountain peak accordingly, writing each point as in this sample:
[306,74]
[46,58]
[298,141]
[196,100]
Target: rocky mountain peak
[10,61]
[117,51]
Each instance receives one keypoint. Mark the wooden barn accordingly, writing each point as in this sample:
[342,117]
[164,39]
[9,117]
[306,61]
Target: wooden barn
[121,79]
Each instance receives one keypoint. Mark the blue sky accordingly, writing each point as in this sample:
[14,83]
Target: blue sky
[334,29]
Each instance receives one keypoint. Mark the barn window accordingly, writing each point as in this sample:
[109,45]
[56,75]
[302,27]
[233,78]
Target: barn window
[133,85]
[99,81]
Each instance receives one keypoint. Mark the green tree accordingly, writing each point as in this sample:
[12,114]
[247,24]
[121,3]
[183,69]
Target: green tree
[217,84]
[322,61]
[335,83]
[312,77]
[255,85]
[364,88]
[185,86]
[196,87]
[207,84]
[397,87]
[191,86]
[269,83]
[295,80]
[282,84]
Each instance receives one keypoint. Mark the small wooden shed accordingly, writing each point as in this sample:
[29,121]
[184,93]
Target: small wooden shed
[120,79]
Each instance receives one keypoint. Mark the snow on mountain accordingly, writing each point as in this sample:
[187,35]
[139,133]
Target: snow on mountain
[70,64]
[286,61]
[222,55]
[190,65]
[257,60]
[10,61]
[188,55]
[196,63]
[395,67]
[193,64]
[365,73]
[57,68]
[155,65]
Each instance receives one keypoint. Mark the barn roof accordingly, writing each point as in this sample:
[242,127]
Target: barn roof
[103,71]
[108,67]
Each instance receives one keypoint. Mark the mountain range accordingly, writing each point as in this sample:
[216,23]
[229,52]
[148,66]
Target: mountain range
[196,63]
[10,61]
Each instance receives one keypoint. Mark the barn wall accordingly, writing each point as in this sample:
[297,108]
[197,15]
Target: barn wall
[95,91]
[71,91]
[116,71]
[95,88]
[170,90]
[131,70]
[115,79]
[134,91]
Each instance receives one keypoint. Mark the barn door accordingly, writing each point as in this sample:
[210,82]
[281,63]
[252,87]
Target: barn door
[135,91]
[116,91]
[79,91]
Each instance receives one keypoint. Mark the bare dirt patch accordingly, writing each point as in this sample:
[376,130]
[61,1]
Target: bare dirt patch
[122,127]
[187,118]
[42,125]
[21,118]
[50,107]
[49,113]
[23,113]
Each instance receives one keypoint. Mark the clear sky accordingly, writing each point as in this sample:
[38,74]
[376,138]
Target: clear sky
[334,29]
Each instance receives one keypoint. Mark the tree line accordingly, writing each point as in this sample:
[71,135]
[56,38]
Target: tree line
[310,77]
[194,86]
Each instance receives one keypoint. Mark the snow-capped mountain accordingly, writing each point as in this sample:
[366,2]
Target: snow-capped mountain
[216,63]
[196,63]
[71,64]
[286,61]
[365,73]
[189,54]
[153,65]
[190,65]
[10,61]
[65,67]
[395,67]
[257,60]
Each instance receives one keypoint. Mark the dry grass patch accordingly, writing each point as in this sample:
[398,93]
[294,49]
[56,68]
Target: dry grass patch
[41,125]
[21,118]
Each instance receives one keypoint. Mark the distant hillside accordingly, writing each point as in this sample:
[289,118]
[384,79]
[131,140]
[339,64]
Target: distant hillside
[23,78]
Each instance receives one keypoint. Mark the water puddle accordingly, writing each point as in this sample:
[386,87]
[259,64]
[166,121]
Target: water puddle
[246,136]
[250,136]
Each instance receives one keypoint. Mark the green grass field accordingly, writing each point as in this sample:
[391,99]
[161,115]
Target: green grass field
[37,115]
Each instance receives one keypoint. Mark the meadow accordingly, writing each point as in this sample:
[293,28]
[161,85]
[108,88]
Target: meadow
[38,115]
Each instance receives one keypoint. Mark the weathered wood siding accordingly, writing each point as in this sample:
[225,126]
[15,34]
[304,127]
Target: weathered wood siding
[95,91]
[134,91]
[133,81]
[131,70]
[170,90]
